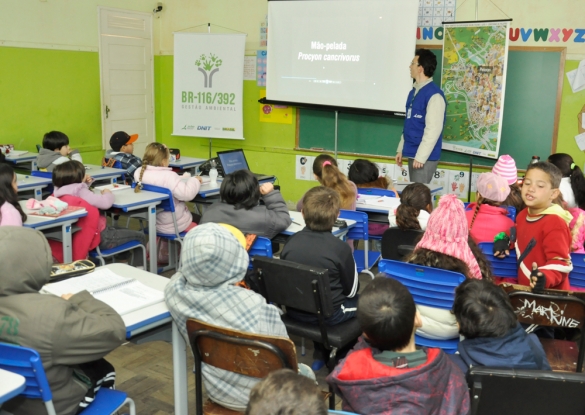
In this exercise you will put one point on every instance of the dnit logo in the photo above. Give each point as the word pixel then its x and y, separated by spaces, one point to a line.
pixel 204 127
pixel 206 65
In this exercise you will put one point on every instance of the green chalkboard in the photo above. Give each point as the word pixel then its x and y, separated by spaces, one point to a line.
pixel 533 86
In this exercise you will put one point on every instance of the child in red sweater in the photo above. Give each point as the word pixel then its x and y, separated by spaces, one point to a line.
pixel 547 224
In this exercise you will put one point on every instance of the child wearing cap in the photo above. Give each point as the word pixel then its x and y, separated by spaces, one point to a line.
pixel 122 151
pixel 506 167
pixel 485 217
pixel 445 245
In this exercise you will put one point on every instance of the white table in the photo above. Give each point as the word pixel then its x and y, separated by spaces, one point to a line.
pixel 129 201
pixel 376 204
pixel 104 173
pixel 25 158
pixel 47 222
pixel 155 316
pixel 36 184
pixel 11 385
pixel 401 185
pixel 209 189
pixel 299 223
pixel 188 163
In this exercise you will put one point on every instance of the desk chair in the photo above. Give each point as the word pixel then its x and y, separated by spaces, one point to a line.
pixel 27 362
pixel 168 205
pixel 431 287
pixel 363 261
pixel 397 244
pixel 101 254
pixel 262 247
pixel 375 192
pixel 501 267
pixel 38 148
pixel 534 392
pixel 249 354
pixel 577 276
pixel 511 210
pixel 307 289
pixel 553 310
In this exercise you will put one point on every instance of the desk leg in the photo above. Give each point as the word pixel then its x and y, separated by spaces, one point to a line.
pixel 152 238
pixel 38 193
pixel 33 165
pixel 180 372
pixel 67 250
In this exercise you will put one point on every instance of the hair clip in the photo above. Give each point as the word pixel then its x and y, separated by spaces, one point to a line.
pixel 326 163
pixel 572 166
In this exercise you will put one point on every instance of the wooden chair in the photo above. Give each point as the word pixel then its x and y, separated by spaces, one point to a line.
pixel 553 309
pixel 248 354
pixel 534 392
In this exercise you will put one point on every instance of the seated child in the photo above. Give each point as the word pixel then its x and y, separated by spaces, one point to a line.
pixel 71 333
pixel 385 373
pixel 72 186
pixel 240 195
pixel 214 260
pixel 155 171
pixel 572 185
pixel 56 151
pixel 416 205
pixel 11 214
pixel 493 335
pixel 285 392
pixel 327 173
pixel 365 174
pixel 123 151
pixel 547 224
pixel 316 246
pixel 506 167
pixel 444 245
pixel 485 217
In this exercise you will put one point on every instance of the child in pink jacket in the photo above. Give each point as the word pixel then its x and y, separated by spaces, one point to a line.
pixel 11 214
pixel 155 171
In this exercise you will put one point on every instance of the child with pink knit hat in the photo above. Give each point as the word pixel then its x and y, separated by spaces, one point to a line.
pixel 445 245
pixel 485 217
pixel 506 167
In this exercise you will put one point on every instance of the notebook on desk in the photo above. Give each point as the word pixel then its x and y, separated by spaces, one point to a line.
pixel 123 294
pixel 234 160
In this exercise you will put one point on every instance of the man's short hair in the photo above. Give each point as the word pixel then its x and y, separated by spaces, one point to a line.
pixel 554 173
pixel 386 312
pixel 284 392
pixel 241 189
pixel 54 140
pixel 483 309
pixel 321 208
pixel 427 60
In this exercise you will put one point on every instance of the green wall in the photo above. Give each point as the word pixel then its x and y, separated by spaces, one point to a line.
pixel 42 90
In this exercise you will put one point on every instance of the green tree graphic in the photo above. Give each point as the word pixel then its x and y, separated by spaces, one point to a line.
pixel 206 65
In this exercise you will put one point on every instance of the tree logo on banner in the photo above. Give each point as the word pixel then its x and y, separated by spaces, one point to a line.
pixel 208 65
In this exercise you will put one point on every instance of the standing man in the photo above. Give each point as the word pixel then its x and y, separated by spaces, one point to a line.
pixel 422 135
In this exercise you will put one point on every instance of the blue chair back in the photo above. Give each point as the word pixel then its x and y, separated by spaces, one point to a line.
pixel 376 192
pixel 501 267
pixel 360 230
pixel 431 287
pixel 168 205
pixel 261 247
pixel 26 362
pixel 511 210
pixel 43 174
pixel 577 276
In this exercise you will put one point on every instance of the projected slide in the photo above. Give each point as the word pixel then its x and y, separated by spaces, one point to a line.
pixel 353 53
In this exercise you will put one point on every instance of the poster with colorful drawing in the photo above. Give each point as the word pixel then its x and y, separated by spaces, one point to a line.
pixel 441 179
pixel 458 183
pixel 401 174
pixel 304 167
pixel 280 114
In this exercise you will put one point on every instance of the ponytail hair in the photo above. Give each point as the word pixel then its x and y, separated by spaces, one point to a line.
pixel 156 154
pixel 568 168
pixel 328 174
pixel 7 193
pixel 415 197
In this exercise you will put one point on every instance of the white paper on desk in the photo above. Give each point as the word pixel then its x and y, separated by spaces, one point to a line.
pixel 382 201
pixel 16 153
pixel 580 139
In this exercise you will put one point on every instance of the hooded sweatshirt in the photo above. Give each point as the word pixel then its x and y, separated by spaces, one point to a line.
pixel 213 261
pixel 369 387
pixel 64 332
pixel 516 350
pixel 48 159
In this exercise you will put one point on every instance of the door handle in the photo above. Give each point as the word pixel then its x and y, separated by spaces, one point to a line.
pixel 107 111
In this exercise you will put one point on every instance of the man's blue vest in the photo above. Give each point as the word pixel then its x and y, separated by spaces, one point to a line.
pixel 414 126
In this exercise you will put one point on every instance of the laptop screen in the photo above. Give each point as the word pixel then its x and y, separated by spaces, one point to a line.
pixel 232 161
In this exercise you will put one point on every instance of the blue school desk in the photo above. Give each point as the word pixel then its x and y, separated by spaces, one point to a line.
pixel 48 223
pixel 32 183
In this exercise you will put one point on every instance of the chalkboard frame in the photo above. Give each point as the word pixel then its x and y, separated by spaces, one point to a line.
pixel 461 159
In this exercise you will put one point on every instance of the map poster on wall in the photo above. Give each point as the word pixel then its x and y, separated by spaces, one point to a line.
pixel 475 59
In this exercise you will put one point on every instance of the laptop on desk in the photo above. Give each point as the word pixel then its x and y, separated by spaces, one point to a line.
pixel 234 160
